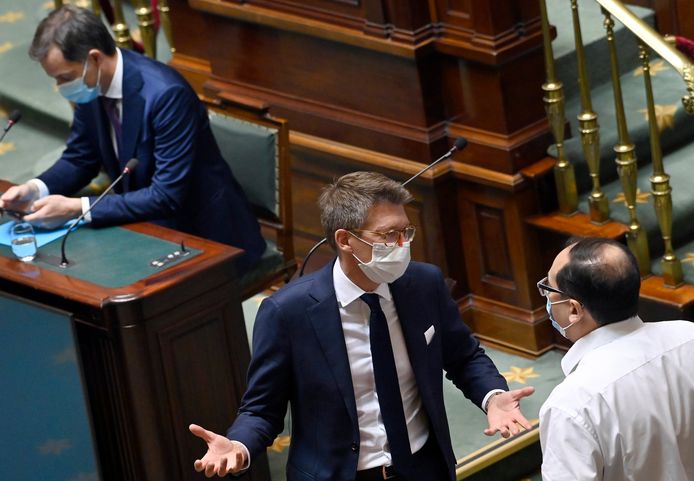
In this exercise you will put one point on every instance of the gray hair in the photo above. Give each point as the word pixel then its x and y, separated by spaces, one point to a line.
pixel 74 31
pixel 345 203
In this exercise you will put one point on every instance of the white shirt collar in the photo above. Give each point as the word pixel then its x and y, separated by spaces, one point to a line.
pixel 598 338
pixel 115 90
pixel 347 291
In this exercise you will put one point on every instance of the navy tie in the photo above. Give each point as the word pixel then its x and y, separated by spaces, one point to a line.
pixel 111 108
pixel 387 387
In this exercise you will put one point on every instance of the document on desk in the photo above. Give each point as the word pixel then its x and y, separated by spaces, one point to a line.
pixel 43 236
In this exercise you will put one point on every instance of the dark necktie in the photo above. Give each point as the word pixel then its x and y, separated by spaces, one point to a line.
pixel 387 387
pixel 111 108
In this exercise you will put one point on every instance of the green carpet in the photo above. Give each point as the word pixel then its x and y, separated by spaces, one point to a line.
pixel 466 420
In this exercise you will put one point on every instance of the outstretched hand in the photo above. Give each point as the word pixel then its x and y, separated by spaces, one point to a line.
pixel 223 455
pixel 504 415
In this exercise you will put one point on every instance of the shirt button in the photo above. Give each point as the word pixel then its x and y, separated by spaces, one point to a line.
pixel 355 447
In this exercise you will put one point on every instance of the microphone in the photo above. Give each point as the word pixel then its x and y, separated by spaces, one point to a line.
pixel 460 144
pixel 15 117
pixel 132 163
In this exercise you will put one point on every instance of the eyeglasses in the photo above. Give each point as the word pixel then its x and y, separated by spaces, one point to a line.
pixel 545 288
pixel 393 237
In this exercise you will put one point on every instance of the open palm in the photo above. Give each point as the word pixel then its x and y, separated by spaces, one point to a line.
pixel 223 455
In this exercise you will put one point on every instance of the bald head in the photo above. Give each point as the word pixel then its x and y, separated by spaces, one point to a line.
pixel 603 275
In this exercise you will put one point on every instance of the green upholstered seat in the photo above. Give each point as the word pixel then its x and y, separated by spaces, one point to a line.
pixel 254 150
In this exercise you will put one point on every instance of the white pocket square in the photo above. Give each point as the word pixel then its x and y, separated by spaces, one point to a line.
pixel 429 334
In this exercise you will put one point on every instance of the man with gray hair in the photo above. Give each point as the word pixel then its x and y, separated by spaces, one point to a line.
pixel 126 106
pixel 358 350
pixel 626 408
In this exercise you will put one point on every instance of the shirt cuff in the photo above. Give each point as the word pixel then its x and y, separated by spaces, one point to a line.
pixel 85 209
pixel 488 398
pixel 248 456
pixel 41 186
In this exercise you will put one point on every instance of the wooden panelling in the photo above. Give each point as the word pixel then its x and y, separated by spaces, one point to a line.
pixel 392 95
pixel 672 16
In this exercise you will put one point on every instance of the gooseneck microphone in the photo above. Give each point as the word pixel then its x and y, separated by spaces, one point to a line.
pixel 15 117
pixel 459 145
pixel 132 163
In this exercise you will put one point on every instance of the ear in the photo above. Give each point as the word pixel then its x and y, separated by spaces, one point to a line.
pixel 576 311
pixel 342 237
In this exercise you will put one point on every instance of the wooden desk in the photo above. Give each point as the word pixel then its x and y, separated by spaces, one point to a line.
pixel 155 355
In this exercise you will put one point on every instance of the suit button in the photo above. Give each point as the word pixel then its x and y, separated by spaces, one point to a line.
pixel 355 447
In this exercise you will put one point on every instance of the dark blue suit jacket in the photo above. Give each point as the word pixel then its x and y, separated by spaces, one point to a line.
pixel 300 357
pixel 181 180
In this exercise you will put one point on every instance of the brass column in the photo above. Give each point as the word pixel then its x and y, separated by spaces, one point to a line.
pixel 554 106
pixel 145 20
pixel 660 183
pixel 165 21
pixel 120 28
pixel 626 158
pixel 589 128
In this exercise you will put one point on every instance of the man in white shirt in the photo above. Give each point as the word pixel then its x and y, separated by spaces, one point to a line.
pixel 358 349
pixel 626 408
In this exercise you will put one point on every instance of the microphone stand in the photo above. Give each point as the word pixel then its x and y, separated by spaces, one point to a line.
pixel 128 168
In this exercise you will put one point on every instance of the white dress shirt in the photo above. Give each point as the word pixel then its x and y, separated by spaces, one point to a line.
pixel 115 91
pixel 626 408
pixel 354 313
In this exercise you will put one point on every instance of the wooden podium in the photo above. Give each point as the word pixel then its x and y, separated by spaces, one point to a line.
pixel 156 354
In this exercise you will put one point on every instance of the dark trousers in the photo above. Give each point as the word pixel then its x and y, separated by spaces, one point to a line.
pixel 427 465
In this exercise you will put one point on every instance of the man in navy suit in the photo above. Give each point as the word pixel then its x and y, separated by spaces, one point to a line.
pixel 358 350
pixel 128 106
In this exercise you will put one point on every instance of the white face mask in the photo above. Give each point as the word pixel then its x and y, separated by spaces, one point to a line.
pixel 387 264
pixel 555 324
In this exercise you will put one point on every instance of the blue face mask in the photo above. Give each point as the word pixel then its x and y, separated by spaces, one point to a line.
pixel 555 324
pixel 78 91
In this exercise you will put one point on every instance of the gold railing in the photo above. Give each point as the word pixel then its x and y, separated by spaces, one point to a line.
pixel 145 21
pixel 626 163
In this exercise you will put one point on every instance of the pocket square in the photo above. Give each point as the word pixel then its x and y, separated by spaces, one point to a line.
pixel 429 334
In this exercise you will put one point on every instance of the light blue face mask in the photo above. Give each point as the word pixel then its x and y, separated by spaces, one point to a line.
pixel 555 324
pixel 78 91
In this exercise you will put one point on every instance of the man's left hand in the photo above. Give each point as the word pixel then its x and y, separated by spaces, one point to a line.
pixel 504 415
pixel 53 211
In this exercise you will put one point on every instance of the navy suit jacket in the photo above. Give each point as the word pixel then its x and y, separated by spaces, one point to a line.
pixel 181 180
pixel 300 357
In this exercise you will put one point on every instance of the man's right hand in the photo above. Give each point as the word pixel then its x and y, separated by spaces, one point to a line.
pixel 223 455
pixel 20 197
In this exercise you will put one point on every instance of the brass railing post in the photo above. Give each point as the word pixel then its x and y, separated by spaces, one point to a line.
pixel 626 158
pixel 564 176
pixel 145 20
pixel 660 182
pixel 589 128
pixel 688 100
pixel 120 28
pixel 163 7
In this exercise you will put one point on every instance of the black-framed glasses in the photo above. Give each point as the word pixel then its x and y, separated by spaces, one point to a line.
pixel 394 236
pixel 544 288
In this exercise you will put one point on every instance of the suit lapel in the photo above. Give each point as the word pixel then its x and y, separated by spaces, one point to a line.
pixel 325 317
pixel 133 108
pixel 414 322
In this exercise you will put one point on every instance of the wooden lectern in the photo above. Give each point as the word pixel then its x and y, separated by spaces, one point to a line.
pixel 156 353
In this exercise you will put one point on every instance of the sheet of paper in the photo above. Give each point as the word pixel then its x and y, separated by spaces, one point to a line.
pixel 43 236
